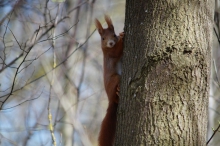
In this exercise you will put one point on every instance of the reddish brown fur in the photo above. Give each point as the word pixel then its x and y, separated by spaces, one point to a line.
pixel 112 56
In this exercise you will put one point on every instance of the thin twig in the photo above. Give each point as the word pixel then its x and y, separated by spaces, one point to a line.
pixel 15 76
pixel 215 131
pixel 22 102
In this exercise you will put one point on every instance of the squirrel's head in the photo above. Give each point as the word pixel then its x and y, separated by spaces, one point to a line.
pixel 108 37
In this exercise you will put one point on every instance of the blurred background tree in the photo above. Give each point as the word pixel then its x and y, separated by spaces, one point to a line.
pixel 51 85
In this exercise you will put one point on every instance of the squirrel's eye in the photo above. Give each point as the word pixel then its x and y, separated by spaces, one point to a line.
pixel 103 38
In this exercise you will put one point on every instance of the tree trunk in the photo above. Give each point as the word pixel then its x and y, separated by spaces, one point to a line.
pixel 166 68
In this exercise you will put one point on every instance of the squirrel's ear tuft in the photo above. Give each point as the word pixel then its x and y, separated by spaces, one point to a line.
pixel 109 22
pixel 98 26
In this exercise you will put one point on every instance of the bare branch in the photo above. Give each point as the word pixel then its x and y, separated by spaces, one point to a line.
pixel 51 69
pixel 215 131
pixel 22 102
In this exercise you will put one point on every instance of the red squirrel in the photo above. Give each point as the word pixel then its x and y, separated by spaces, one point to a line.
pixel 112 48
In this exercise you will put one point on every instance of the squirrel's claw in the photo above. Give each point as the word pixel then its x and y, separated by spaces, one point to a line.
pixel 118 89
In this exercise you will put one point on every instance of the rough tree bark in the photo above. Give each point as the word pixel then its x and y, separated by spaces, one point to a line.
pixel 166 68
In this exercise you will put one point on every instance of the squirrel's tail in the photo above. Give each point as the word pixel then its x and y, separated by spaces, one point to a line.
pixel 108 127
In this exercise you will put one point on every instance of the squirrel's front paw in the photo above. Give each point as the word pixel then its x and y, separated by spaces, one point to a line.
pixel 121 34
